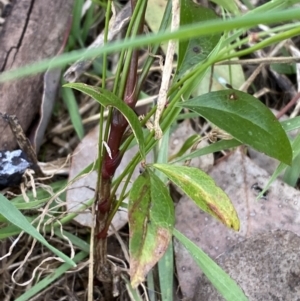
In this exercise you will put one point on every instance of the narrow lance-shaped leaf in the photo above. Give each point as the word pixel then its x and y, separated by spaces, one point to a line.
pixel 71 104
pixel 211 148
pixel 246 119
pixel 151 221
pixel 226 286
pixel 202 189
pixel 281 166
pixel 260 15
pixel 14 216
pixel 107 98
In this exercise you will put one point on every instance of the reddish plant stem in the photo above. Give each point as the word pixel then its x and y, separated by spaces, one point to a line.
pixel 111 161
pixel 117 128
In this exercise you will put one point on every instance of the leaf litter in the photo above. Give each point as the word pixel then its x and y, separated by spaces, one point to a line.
pixel 242 180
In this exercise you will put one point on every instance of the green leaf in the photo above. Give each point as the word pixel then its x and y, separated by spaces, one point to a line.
pixel 246 119
pixel 288 69
pixel 107 98
pixel 194 51
pixel 76 20
pixel 189 142
pixel 292 173
pixel 202 189
pixel 89 20
pixel 151 221
pixel 282 166
pixel 291 124
pixel 212 148
pixel 14 216
pixel 257 16
pixel 151 286
pixel 226 286
pixel 133 293
pixel 74 239
pixel 166 274
pixel 166 263
pixel 71 104
pixel 9 231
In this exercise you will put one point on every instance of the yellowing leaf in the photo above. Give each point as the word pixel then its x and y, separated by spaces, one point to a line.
pixel 202 189
pixel 151 221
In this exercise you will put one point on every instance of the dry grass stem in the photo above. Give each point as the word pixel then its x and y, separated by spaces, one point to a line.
pixel 168 67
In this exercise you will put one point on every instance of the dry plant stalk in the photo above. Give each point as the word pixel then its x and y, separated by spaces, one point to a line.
pixel 167 71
